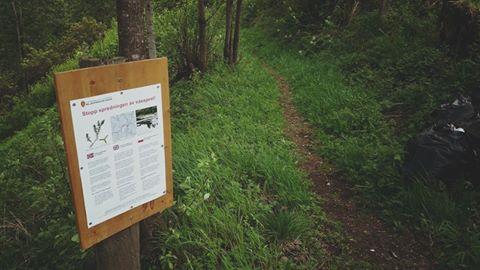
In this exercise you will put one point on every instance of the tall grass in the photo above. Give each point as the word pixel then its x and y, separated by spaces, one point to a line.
pixel 234 171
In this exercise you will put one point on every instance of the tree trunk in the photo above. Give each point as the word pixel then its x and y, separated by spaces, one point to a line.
pixel 354 11
pixel 202 37
pixel 383 7
pixel 19 31
pixel 152 48
pixel 236 36
pixel 459 27
pixel 131 36
pixel 227 50
pixel 120 252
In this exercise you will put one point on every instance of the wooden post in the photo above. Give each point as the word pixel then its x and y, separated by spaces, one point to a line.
pixel 120 251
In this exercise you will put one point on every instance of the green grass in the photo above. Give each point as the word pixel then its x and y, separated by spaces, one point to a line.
pixel 234 171
pixel 348 120
pixel 360 142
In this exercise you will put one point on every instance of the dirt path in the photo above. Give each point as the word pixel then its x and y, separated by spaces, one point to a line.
pixel 369 239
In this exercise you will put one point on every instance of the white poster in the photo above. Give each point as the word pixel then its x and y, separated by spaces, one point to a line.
pixel 121 153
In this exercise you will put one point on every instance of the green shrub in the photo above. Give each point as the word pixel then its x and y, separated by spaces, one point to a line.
pixel 176 29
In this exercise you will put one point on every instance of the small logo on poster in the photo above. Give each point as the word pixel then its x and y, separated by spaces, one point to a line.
pixel 90 155
pixel 116 147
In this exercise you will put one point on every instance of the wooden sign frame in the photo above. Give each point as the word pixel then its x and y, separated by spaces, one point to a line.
pixel 99 80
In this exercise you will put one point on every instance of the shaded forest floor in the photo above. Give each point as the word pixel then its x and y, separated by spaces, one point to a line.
pixel 368 238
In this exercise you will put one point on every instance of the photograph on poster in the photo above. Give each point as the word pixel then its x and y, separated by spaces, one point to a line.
pixel 147 119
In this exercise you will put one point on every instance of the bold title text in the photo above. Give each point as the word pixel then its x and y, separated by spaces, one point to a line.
pixel 117 106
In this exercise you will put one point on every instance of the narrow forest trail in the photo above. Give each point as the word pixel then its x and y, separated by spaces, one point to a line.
pixel 368 238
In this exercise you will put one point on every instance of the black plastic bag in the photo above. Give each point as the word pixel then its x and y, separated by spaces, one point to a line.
pixel 457 112
pixel 476 99
pixel 441 152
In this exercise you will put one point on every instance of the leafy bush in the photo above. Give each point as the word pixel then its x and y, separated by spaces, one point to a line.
pixel 176 28
pixel 38 62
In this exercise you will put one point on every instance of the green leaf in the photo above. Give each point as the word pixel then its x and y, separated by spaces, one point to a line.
pixel 75 238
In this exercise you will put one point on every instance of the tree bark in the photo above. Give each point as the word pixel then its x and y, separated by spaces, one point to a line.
pixel 120 251
pixel 227 50
pixel 383 7
pixel 202 37
pixel 236 36
pixel 131 36
pixel 19 31
pixel 152 48
pixel 459 27
pixel 354 11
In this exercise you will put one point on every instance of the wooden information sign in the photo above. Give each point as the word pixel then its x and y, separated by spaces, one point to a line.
pixel 116 128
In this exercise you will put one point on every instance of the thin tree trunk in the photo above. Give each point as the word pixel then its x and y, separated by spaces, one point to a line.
pixel 228 32
pixel 152 48
pixel 131 34
pixel 202 36
pixel 383 7
pixel 17 28
pixel 355 8
pixel 19 31
pixel 458 28
pixel 236 36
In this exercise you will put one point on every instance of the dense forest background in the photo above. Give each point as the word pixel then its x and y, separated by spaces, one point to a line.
pixel 387 65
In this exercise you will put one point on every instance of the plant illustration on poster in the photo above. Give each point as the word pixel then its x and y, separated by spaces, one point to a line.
pixel 97 128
